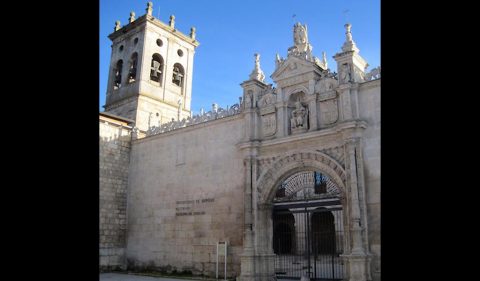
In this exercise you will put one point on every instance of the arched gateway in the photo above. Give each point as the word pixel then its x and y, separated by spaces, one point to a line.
pixel 312 202
pixel 301 219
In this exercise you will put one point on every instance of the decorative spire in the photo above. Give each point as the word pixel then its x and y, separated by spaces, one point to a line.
pixel 172 21
pixel 193 31
pixel 324 60
pixel 117 25
pixel 349 44
pixel 257 73
pixel 132 16
pixel 149 8
pixel 278 61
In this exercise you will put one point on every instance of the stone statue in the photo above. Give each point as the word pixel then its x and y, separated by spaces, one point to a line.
pixel 345 76
pixel 132 16
pixel 248 101
pixel 172 21
pixel 300 34
pixel 299 114
pixel 300 38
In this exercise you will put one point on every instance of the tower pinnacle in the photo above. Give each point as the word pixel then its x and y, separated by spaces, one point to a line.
pixel 257 73
pixel 349 44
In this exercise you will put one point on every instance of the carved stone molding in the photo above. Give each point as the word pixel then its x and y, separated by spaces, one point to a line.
pixel 273 169
pixel 327 95
pixel 269 121
pixel 336 153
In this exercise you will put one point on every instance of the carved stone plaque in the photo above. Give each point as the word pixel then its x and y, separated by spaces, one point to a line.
pixel 269 120
pixel 328 111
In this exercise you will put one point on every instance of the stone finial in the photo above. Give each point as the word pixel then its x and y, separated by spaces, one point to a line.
pixel 348 27
pixel 172 21
pixel 149 8
pixel 349 44
pixel 324 59
pixel 257 73
pixel 278 60
pixel 117 25
pixel 132 16
pixel 193 31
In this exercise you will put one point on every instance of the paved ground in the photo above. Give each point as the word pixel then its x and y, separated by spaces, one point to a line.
pixel 131 277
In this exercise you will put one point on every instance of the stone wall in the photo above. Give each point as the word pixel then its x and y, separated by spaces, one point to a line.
pixel 185 194
pixel 114 158
pixel 369 103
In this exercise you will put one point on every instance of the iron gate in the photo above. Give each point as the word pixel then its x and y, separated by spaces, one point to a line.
pixel 308 239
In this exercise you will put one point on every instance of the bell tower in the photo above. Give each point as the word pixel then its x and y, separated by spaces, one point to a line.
pixel 151 69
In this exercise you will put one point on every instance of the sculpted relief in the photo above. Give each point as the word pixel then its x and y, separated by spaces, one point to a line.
pixel 299 118
pixel 268 112
pixel 328 111
pixel 325 85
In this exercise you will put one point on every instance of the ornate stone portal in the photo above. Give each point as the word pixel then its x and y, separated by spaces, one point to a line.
pixel 309 97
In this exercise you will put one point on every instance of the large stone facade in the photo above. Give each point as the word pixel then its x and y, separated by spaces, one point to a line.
pixel 213 177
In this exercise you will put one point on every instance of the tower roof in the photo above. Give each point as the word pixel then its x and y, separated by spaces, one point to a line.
pixel 148 18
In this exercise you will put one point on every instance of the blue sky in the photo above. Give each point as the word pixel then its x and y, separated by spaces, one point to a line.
pixel 230 32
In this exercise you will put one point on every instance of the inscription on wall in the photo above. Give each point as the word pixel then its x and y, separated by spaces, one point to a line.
pixel 192 207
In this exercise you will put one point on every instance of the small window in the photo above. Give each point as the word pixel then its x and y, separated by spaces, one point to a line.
pixel 180 53
pixel 118 75
pixel 121 48
pixel 159 43
pixel 132 72
pixel 178 75
pixel 135 41
pixel 156 69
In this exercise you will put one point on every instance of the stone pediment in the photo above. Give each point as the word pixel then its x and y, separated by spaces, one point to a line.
pixel 293 66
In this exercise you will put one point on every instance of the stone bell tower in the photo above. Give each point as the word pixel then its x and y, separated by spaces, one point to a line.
pixel 151 69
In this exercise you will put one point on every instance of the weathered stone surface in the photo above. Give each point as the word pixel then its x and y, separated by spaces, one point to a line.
pixel 114 160
pixel 194 183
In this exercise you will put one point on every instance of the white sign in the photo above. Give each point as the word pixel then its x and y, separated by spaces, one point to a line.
pixel 222 251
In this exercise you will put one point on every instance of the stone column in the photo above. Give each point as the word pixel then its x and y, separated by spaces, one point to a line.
pixel 354 101
pixel 345 102
pixel 282 119
pixel 265 258
pixel 357 258
pixel 312 112
pixel 247 257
